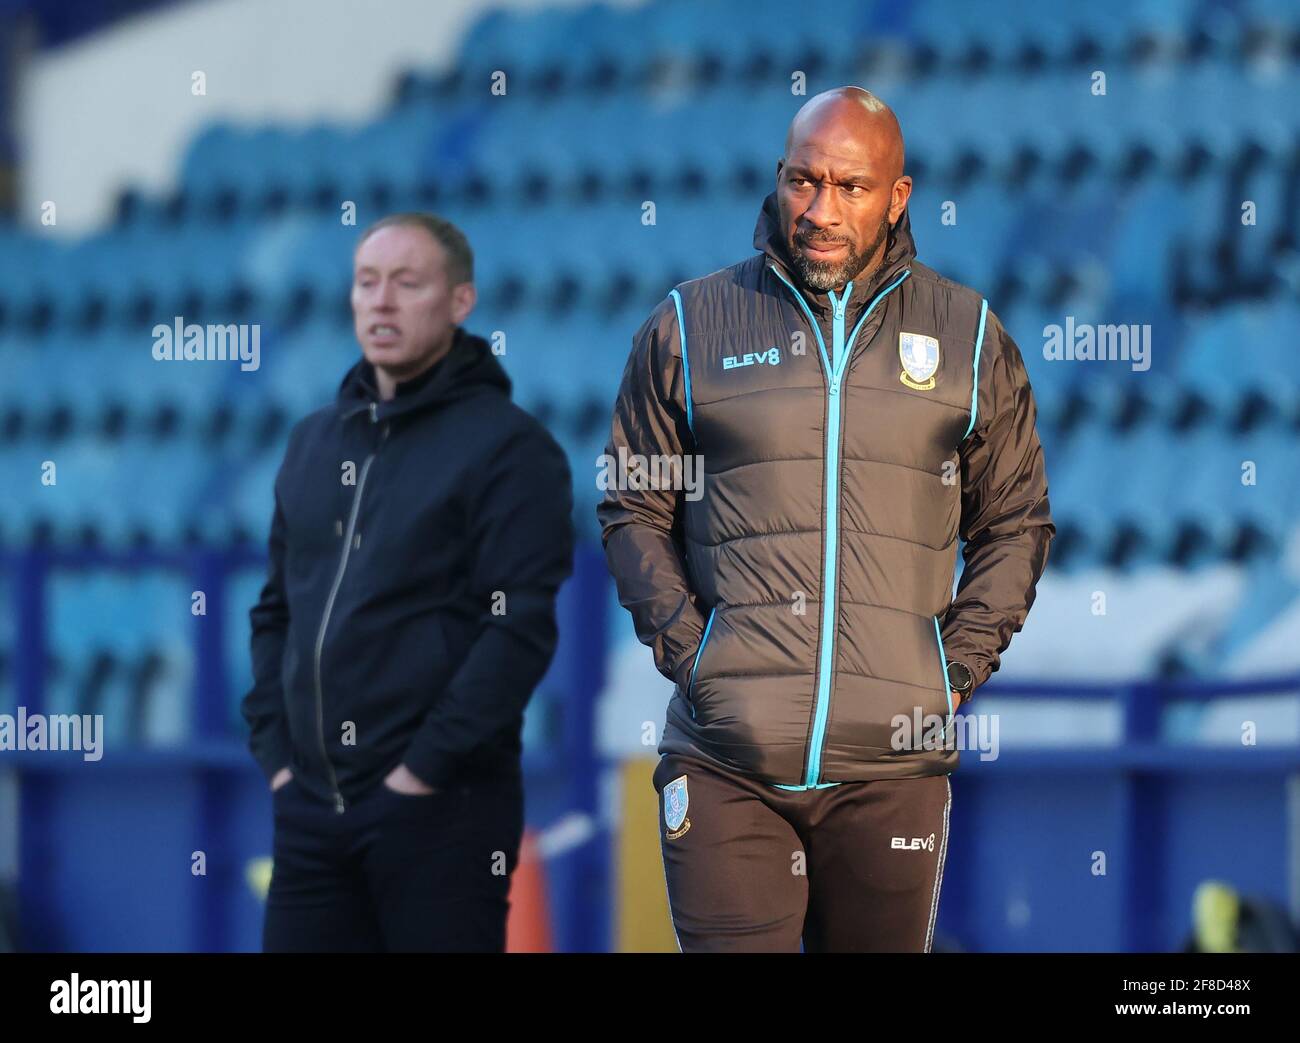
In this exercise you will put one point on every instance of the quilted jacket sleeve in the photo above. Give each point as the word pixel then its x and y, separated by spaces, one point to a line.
pixel 642 528
pixel 1005 516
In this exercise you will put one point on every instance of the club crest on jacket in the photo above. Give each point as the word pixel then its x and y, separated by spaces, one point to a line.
pixel 920 357
pixel 676 801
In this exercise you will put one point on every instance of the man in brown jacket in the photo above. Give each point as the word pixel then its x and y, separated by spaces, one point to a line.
pixel 856 413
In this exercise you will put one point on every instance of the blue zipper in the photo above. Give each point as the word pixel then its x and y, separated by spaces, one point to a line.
pixel 686 362
pixel 830 569
pixel 690 685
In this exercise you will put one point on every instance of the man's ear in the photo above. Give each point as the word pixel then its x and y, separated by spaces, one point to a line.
pixel 902 192
pixel 463 299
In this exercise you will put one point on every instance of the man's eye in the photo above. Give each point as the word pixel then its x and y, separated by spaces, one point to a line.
pixel 853 189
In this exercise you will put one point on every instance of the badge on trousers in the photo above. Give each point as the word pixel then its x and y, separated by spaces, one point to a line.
pixel 676 801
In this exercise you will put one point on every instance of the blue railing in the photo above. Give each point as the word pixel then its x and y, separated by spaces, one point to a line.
pixel 1135 801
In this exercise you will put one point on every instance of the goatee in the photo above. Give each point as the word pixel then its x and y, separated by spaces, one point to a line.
pixel 827 275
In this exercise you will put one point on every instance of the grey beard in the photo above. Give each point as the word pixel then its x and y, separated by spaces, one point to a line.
pixel 827 275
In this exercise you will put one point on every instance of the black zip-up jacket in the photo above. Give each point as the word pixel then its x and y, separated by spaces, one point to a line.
pixel 409 612
pixel 803 603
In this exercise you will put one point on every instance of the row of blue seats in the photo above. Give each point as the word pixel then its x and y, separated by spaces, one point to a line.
pixel 135 664
pixel 556 184
pixel 1128 541
pixel 502 140
pixel 975 235
pixel 1148 470
pixel 1181 275
pixel 1220 356
pixel 531 43
pixel 243 426
pixel 246 426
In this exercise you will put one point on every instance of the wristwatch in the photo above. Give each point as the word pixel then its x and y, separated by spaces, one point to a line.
pixel 960 678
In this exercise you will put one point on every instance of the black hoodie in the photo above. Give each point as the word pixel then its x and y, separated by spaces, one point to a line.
pixel 409 612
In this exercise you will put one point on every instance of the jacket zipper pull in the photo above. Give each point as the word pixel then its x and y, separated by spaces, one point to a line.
pixel 374 412
pixel 338 803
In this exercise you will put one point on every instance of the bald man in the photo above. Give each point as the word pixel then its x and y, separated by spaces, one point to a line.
pixel 856 413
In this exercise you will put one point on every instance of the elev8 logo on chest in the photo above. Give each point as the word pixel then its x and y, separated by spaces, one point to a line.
pixel 770 357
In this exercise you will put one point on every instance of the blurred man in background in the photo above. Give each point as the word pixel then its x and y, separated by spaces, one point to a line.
pixel 804 605
pixel 421 530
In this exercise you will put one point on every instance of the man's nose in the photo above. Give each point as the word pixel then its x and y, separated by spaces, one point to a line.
pixel 823 211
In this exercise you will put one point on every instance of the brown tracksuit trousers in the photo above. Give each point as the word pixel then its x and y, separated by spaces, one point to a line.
pixel 749 867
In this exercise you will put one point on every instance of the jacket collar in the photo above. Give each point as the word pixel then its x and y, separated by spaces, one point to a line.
pixel 900 251
pixel 469 365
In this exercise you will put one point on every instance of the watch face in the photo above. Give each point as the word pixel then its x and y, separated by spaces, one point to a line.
pixel 959 676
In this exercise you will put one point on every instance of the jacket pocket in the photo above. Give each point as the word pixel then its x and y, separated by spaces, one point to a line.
pixel 695 665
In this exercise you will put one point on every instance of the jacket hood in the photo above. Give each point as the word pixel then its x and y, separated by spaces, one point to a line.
pixel 469 367
pixel 900 251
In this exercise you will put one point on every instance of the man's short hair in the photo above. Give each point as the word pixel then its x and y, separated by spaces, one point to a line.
pixel 460 258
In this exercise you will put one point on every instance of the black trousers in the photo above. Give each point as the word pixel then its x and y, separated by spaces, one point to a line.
pixel 751 868
pixel 394 873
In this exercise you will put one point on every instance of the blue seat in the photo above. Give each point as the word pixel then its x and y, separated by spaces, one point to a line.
pixel 1243 348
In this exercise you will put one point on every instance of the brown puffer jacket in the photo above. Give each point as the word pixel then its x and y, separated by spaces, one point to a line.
pixel 803 604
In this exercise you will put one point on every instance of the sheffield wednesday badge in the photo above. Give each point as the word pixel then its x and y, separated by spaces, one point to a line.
pixel 676 801
pixel 920 357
